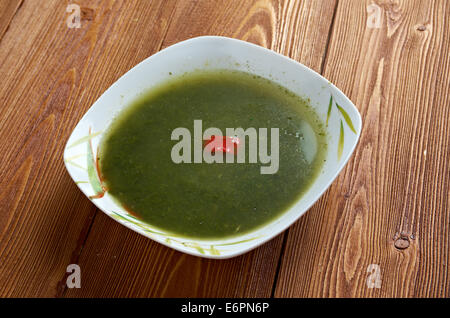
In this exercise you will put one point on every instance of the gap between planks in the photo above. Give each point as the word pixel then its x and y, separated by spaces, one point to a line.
pixel 4 16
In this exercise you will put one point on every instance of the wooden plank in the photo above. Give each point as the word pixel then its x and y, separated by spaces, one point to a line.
pixel 8 9
pixel 394 193
pixel 116 261
pixel 51 74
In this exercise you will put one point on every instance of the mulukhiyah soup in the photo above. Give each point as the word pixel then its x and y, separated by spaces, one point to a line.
pixel 210 200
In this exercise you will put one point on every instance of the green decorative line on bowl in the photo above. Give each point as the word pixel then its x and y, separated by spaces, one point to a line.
pixel 347 120
pixel 92 164
pixel 346 117
pixel 93 173
pixel 329 108
pixel 85 138
pixel 341 141
pixel 173 238
pixel 73 163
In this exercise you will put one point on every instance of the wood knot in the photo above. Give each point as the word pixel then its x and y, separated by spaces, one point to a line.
pixel 401 243
pixel 421 28
pixel 87 14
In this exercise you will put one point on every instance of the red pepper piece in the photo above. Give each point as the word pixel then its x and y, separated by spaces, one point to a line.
pixel 222 144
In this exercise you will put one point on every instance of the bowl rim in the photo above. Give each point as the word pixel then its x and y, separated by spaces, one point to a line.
pixel 270 233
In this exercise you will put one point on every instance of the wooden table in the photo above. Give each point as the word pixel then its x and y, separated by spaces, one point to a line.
pixel 388 207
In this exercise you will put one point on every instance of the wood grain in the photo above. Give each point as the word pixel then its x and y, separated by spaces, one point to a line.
pixel 50 76
pixel 127 264
pixel 7 11
pixel 390 206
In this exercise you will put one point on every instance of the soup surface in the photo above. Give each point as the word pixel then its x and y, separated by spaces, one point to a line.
pixel 210 200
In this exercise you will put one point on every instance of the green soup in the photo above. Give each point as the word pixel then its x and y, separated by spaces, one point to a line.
pixel 210 200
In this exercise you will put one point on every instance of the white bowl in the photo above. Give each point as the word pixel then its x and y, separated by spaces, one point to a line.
pixel 342 119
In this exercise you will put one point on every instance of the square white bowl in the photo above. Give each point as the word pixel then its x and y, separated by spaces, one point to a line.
pixel 340 116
